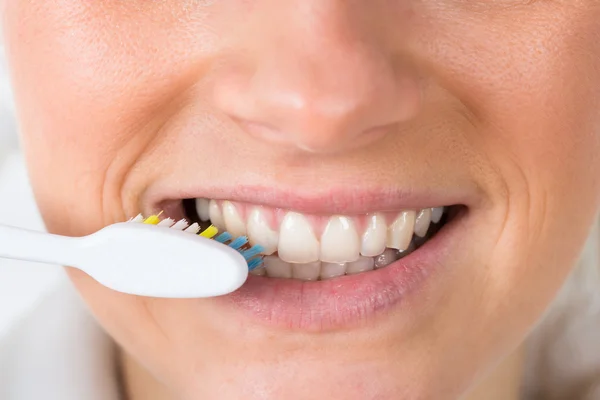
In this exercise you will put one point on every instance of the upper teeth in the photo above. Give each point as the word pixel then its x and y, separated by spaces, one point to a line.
pixel 299 238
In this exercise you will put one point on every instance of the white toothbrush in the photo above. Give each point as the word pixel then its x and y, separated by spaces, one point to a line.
pixel 140 259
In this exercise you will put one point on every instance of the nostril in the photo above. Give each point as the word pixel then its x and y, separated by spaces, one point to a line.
pixel 319 105
pixel 262 131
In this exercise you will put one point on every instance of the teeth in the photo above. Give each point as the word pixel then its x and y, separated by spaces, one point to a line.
pixel 260 233
pixel 306 272
pixel 436 214
pixel 373 239
pixel 422 222
pixel 341 248
pixel 202 208
pixel 234 223
pixel 411 247
pixel 216 217
pixel 363 264
pixel 297 242
pixel 332 270
pixel 401 230
pixel 276 268
pixel 340 242
pixel 385 258
pixel 259 271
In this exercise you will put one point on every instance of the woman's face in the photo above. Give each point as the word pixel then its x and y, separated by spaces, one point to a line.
pixel 368 110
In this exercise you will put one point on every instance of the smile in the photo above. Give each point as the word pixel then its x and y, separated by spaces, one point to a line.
pixel 328 264
pixel 317 247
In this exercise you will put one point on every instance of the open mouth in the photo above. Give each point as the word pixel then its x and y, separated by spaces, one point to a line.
pixel 320 247
pixel 327 264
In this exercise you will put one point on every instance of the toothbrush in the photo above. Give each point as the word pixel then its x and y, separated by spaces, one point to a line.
pixel 144 256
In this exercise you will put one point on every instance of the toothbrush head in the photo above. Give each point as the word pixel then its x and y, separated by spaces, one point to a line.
pixel 252 254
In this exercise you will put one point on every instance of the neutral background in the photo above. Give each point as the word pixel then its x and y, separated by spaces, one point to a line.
pixel 21 284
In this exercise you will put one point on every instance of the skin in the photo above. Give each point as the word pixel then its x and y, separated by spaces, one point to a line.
pixel 498 99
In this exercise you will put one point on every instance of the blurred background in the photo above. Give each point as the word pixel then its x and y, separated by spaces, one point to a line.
pixel 22 284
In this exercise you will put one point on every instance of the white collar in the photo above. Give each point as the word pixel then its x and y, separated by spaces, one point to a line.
pixel 58 353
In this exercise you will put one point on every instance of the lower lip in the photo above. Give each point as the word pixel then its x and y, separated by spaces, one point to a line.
pixel 343 302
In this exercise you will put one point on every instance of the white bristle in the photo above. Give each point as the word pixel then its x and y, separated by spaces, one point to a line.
pixel 180 225
pixel 138 218
pixel 193 228
pixel 166 222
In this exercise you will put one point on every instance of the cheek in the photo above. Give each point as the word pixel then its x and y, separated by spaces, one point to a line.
pixel 67 133
pixel 89 102
pixel 536 127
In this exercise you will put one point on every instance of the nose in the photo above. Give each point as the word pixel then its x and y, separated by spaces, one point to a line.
pixel 318 79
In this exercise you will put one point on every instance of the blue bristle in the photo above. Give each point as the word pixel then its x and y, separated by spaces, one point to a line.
pixel 238 242
pixel 253 251
pixel 223 237
pixel 254 263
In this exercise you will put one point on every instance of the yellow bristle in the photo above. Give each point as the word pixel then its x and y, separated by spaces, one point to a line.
pixel 152 220
pixel 210 232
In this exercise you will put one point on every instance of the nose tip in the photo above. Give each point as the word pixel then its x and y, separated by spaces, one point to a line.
pixel 321 112
pixel 320 93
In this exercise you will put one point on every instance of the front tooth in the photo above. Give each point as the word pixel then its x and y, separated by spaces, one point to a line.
pixel 216 217
pixel 363 264
pixel 332 270
pixel 386 258
pixel 276 268
pixel 297 242
pixel 401 230
pixel 340 242
pixel 373 240
pixel 233 221
pixel 422 222
pixel 307 272
pixel 436 214
pixel 259 232
pixel 259 271
pixel 202 209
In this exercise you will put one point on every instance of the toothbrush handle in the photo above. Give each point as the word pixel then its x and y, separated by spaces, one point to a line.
pixel 22 244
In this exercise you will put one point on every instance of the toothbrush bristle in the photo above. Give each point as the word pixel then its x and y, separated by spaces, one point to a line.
pixel 168 222
pixel 238 242
pixel 152 220
pixel 251 254
pixel 210 232
pixel 180 225
pixel 224 237
pixel 193 228
pixel 138 218
pixel 255 263
pixel 253 251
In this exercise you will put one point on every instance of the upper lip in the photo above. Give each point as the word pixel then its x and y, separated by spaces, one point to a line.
pixel 318 200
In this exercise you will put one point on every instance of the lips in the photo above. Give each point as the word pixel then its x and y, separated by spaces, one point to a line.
pixel 348 301
pixel 339 269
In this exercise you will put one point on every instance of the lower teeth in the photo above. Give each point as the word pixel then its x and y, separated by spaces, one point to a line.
pixel 274 267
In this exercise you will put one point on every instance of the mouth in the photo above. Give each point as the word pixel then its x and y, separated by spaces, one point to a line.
pixel 328 271
pixel 320 247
